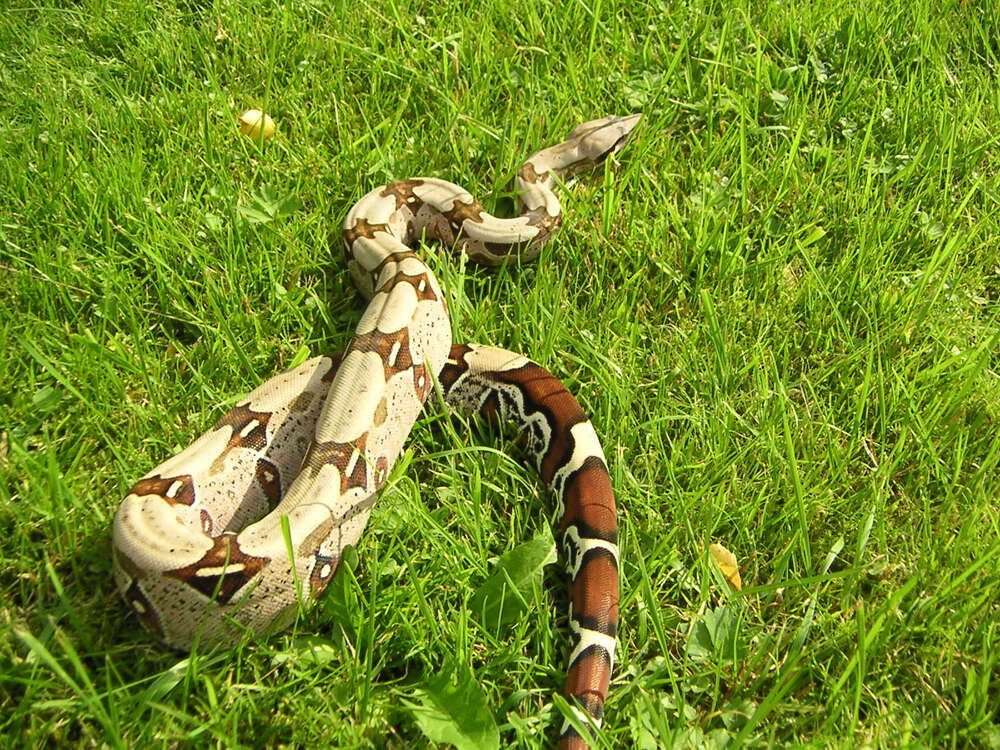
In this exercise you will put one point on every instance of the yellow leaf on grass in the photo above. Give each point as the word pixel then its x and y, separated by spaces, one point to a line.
pixel 726 561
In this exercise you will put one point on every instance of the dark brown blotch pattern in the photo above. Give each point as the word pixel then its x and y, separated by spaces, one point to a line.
pixel 530 175
pixel 324 566
pixel 455 367
pixel 402 191
pixel 460 212
pixel 421 284
pixel 238 568
pixel 269 480
pixel 421 381
pixel 339 455
pixel 362 228
pixel 160 486
pixel 395 258
pixel 238 419
pixel 144 609
pixel 382 344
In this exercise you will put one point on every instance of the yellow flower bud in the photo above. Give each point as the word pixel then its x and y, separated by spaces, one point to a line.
pixel 255 125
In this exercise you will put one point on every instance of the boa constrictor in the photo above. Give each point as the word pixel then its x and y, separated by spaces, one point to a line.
pixel 247 523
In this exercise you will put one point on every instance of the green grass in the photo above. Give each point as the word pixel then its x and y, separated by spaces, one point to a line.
pixel 780 309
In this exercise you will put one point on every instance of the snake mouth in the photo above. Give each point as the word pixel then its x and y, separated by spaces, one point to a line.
pixel 600 133
pixel 624 126
pixel 628 123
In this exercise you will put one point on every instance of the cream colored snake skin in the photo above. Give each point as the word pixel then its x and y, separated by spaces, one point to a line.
pixel 233 532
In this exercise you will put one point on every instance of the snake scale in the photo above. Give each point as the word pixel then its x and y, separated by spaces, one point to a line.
pixel 233 532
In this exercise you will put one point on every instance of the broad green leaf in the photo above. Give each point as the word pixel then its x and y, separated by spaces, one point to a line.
pixel 715 634
pixel 504 595
pixel 452 709
pixel 308 651
pixel 253 214
pixel 267 205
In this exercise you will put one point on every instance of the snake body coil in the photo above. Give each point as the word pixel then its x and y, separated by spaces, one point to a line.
pixel 250 519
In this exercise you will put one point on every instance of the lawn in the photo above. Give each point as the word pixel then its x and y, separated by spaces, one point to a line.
pixel 780 306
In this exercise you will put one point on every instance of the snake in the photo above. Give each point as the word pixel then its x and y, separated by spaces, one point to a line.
pixel 245 526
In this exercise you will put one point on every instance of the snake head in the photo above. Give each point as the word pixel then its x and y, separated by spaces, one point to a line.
pixel 600 138
pixel 586 146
